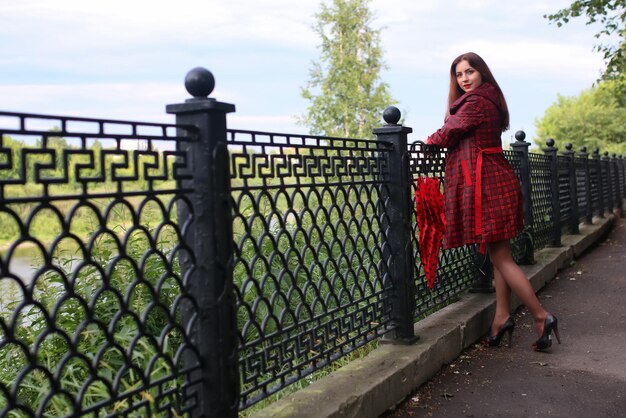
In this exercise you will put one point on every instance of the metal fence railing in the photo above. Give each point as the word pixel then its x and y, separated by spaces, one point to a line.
pixel 310 279
pixel 193 270
pixel 544 196
pixel 93 308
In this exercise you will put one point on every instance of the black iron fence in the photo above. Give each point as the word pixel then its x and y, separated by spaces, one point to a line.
pixel 191 270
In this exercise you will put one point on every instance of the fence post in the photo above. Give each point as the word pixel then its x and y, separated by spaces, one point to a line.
pixel 207 232
pixel 395 197
pixel 589 209
pixel 598 165
pixel 573 192
pixel 521 146
pixel 550 151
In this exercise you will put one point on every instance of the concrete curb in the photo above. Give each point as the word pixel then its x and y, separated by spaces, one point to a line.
pixel 369 386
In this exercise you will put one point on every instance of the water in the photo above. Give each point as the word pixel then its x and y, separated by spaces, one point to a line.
pixel 21 269
pixel 23 264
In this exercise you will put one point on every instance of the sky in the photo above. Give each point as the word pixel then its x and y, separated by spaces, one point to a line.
pixel 127 59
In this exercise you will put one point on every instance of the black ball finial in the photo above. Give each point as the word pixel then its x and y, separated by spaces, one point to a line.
pixel 520 136
pixel 392 115
pixel 583 149
pixel 550 142
pixel 568 146
pixel 596 151
pixel 199 82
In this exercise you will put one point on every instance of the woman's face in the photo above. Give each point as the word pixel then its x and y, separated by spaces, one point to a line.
pixel 468 78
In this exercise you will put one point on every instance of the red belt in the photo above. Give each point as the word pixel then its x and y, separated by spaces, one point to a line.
pixel 478 190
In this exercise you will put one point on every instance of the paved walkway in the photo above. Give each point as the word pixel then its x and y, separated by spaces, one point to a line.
pixel 585 376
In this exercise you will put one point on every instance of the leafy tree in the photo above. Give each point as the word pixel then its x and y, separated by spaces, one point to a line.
pixel 611 14
pixel 594 119
pixel 346 94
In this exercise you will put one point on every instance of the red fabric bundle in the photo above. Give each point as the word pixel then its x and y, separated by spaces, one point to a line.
pixel 431 224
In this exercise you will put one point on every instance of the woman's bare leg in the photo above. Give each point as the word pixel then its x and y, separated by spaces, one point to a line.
pixel 503 302
pixel 516 280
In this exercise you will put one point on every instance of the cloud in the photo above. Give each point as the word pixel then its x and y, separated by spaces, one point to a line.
pixel 145 102
pixel 521 59
pixel 270 123
pixel 127 59
pixel 136 102
pixel 532 58
pixel 123 23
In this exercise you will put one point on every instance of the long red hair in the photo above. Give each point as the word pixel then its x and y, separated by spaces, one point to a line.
pixel 476 62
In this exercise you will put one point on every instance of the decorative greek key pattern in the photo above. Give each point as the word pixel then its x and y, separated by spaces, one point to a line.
pixel 261 159
pixel 56 152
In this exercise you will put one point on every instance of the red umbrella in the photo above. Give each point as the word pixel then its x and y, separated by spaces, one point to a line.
pixel 431 224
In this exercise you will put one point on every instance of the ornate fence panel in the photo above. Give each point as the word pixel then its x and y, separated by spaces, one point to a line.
pixel 595 184
pixel 92 297
pixel 566 203
pixel 622 175
pixel 605 185
pixel 310 279
pixel 583 194
pixel 541 200
pixel 621 183
pixel 615 183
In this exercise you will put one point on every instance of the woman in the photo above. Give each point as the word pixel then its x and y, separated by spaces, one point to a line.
pixel 482 193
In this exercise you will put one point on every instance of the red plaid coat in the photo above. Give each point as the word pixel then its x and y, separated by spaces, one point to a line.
pixel 484 206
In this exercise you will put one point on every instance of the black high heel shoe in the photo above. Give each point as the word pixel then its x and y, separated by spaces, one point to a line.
pixel 494 341
pixel 545 341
